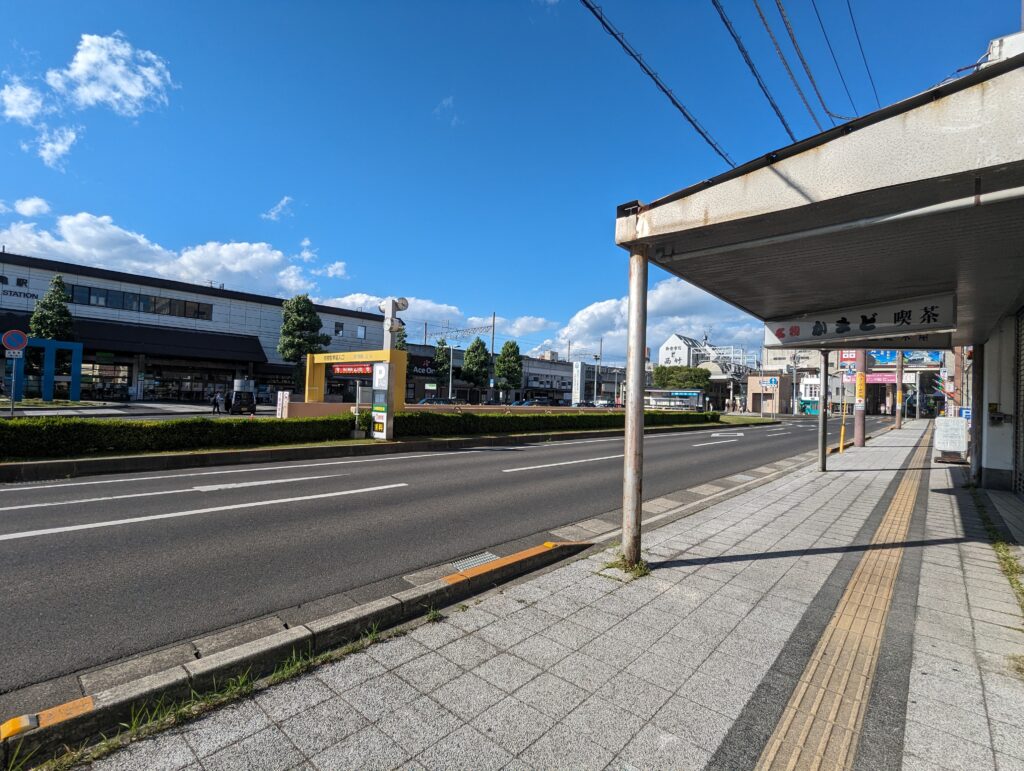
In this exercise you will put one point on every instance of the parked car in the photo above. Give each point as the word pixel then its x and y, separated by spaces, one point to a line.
pixel 583 404
pixel 238 402
pixel 441 400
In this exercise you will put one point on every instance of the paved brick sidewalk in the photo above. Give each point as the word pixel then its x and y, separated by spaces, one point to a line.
pixel 690 667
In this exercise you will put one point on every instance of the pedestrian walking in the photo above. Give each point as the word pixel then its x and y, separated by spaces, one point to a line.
pixel 220 401
pixel 215 403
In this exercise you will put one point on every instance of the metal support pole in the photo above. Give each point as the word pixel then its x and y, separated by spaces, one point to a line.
pixel 633 460
pixel 899 389
pixel 823 412
pixel 977 412
pixel 917 395
pixel 860 403
pixel 451 369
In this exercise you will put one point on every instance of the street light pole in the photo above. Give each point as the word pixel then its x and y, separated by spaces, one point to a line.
pixel 451 369
pixel 633 451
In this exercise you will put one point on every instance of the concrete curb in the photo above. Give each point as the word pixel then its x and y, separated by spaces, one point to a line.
pixel 42 470
pixel 52 731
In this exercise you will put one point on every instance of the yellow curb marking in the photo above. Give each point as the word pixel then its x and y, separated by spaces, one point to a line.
pixel 65 711
pixel 17 725
pixel 487 567
pixel 822 721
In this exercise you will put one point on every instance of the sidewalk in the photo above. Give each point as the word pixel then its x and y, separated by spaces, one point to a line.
pixel 856 619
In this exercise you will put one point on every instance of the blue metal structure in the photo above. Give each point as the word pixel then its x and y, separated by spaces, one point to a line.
pixel 50 348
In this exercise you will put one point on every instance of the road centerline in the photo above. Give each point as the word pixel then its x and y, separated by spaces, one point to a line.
pixel 720 441
pixel 193 512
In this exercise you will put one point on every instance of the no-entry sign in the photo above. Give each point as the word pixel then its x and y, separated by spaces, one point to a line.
pixel 15 340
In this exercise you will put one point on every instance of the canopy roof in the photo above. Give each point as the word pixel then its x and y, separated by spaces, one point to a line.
pixel 925 197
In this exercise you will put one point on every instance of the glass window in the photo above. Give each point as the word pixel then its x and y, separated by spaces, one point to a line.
pixel 177 307
pixel 339 328
pixel 115 299
pixel 361 332
pixel 98 297
pixel 205 311
pixel 81 295
pixel 146 303
pixel 191 310
pixel 162 305
pixel 131 301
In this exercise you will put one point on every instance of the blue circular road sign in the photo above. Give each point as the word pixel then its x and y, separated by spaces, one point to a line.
pixel 15 340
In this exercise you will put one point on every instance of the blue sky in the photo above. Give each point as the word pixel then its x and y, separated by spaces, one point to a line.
pixel 466 154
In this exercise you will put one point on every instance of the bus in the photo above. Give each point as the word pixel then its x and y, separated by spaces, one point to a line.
pixel 683 399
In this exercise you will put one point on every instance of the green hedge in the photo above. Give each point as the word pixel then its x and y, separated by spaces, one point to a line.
pixel 57 437
pixel 466 423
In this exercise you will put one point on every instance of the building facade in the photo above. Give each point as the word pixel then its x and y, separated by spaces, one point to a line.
pixel 153 338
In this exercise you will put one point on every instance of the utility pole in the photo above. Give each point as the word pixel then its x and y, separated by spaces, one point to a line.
pixel 823 392
pixel 633 451
pixel 859 406
pixel 424 333
pixel 493 378
pixel 899 389
pixel 568 353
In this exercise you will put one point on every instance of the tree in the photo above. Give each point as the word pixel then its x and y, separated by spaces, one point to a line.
pixel 681 377
pixel 300 330
pixel 508 368
pixel 442 360
pixel 51 320
pixel 476 364
pixel 401 339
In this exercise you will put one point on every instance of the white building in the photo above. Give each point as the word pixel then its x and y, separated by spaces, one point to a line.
pixel 678 351
pixel 154 338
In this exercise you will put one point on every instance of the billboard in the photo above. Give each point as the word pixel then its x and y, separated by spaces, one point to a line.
pixel 922 359
pixel 882 358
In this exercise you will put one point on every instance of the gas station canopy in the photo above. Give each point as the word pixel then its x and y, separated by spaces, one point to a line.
pixel 922 199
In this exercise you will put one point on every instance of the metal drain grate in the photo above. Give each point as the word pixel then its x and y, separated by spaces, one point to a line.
pixel 474 560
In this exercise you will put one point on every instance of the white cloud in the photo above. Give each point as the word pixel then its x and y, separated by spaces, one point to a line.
pixel 31 207
pixel 88 239
pixel 20 102
pixel 280 209
pixel 517 327
pixel 336 269
pixel 108 70
pixel 294 281
pixel 308 253
pixel 54 145
pixel 673 306
pixel 445 110
pixel 4 208
pixel 419 310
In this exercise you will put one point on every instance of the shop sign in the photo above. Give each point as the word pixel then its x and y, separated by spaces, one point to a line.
pixel 861 392
pixel 352 369
pixel 22 284
pixel 920 315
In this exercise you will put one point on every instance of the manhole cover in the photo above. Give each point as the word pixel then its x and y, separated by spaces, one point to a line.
pixel 474 560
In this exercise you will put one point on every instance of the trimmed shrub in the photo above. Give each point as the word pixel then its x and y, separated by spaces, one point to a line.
pixel 59 437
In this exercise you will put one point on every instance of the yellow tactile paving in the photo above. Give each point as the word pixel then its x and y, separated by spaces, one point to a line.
pixel 821 722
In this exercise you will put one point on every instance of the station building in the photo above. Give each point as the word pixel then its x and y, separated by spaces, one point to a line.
pixel 153 338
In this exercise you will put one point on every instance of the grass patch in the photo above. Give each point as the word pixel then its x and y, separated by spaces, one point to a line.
pixel 744 420
pixel 1004 553
pixel 1017 663
pixel 149 719
pixel 639 570
pixel 433 616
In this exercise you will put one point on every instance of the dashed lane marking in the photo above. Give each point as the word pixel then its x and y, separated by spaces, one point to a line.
pixel 563 463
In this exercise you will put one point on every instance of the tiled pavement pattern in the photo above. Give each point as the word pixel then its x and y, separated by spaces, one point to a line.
pixel 574 669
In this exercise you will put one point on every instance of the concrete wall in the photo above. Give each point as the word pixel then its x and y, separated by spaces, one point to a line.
pixel 998 390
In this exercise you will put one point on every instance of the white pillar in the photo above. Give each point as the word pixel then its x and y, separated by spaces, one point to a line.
pixel 633 461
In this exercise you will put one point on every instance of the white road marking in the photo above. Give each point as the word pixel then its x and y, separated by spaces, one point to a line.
pixel 244 470
pixel 720 441
pixel 192 512
pixel 728 433
pixel 197 488
pixel 563 463
pixel 777 433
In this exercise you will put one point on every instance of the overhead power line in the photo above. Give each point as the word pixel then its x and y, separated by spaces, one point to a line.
pixel 834 59
pixel 753 69
pixel 635 55
pixel 785 63
pixel 864 58
pixel 806 66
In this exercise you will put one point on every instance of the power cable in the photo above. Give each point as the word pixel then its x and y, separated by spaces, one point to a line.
pixel 834 59
pixel 635 55
pixel 803 62
pixel 785 63
pixel 864 58
pixel 750 65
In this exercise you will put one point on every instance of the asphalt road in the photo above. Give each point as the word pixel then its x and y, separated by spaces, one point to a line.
pixel 99 568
